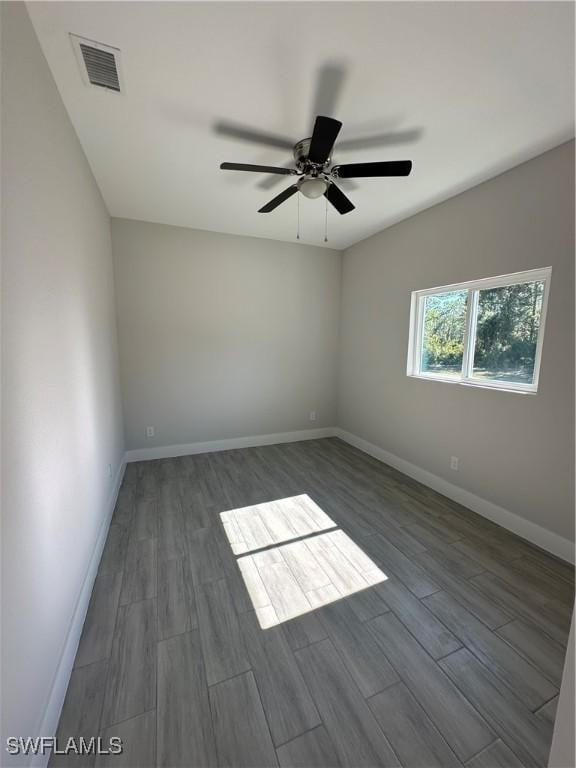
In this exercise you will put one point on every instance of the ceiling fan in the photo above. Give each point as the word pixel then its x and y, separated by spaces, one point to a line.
pixel 312 158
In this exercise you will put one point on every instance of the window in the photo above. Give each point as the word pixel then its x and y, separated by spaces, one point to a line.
pixel 487 332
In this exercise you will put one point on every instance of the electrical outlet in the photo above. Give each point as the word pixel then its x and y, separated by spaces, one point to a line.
pixel 454 463
pixel 150 432
pixel 312 415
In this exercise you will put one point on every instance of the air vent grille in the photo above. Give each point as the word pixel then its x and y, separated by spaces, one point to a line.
pixel 99 63
pixel 100 67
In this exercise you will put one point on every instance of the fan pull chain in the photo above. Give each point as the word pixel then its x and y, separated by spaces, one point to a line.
pixel 298 209
pixel 326 221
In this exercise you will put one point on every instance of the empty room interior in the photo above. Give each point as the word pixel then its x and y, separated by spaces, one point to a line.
pixel 287 384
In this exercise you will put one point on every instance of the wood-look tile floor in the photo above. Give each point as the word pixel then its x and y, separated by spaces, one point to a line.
pixel 306 605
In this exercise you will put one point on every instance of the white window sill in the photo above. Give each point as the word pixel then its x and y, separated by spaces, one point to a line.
pixel 476 384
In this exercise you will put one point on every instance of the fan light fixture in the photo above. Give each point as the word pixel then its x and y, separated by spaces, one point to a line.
pixel 312 187
pixel 312 158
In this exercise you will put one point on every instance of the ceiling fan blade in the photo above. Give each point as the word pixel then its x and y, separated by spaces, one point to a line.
pixel 258 168
pixel 271 180
pixel 338 199
pixel 275 202
pixel 381 140
pixel 326 129
pixel 328 88
pixel 236 131
pixel 367 170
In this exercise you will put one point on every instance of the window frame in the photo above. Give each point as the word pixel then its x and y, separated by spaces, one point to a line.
pixel 473 288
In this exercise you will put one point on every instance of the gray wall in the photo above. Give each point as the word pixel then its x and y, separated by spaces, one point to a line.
pixel 516 451
pixel 223 336
pixel 61 404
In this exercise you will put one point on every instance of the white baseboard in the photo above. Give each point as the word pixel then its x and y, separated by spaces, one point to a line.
pixel 170 451
pixel 541 537
pixel 59 687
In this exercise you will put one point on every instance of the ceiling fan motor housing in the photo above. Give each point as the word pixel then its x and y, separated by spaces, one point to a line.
pixel 304 165
pixel 315 180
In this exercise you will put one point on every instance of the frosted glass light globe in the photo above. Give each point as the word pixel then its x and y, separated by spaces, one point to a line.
pixel 312 187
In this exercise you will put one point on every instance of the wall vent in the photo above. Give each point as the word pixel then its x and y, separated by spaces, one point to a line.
pixel 99 64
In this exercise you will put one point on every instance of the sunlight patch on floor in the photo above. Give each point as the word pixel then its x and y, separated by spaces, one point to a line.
pixel 294 559
pixel 263 525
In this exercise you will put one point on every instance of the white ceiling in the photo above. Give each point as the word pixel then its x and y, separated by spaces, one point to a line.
pixel 487 84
